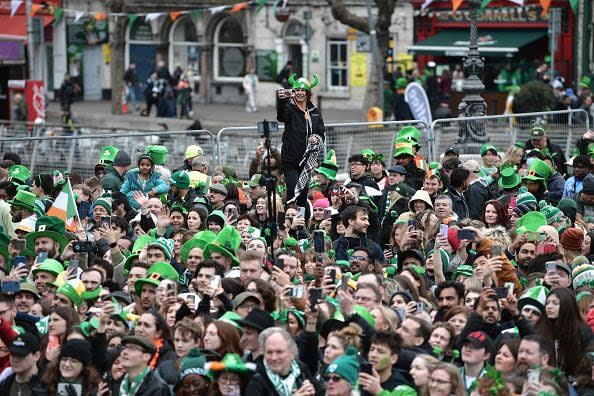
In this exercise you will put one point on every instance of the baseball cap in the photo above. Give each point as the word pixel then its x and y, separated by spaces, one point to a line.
pixel 25 344
pixel 479 339
pixel 256 180
pixel 241 297
pixel 397 169
pixel 472 165
pixel 538 131
pixel 452 150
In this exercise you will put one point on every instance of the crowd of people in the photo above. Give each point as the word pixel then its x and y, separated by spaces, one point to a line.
pixel 154 278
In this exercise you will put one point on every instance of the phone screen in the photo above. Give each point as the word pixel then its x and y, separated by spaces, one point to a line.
pixel 105 221
pixel 443 230
pixel 367 368
pixel 331 273
pixel 315 295
pixel 41 257
pixel 318 240
pixel 214 283
pixel 72 270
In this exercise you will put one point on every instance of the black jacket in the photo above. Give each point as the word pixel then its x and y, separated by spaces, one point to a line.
pixel 260 385
pixel 415 176
pixel 297 130
pixel 39 388
pixel 459 204
pixel 476 196
pixel 557 153
pixel 342 244
pixel 398 378
pixel 152 385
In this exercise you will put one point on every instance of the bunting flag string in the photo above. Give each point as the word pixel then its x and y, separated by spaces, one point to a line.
pixel 545 7
pixel 78 15
pixel 14 6
pixel 238 7
pixel 174 15
pixel 456 4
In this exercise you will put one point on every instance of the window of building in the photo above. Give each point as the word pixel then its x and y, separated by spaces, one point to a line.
pixel 337 64
pixel 229 56
pixel 184 50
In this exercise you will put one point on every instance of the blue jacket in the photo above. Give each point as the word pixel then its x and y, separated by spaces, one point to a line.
pixel 133 182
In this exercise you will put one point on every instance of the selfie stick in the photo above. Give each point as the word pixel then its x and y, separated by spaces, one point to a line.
pixel 270 183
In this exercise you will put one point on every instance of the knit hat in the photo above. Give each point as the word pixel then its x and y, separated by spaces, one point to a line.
pixel 588 185
pixel 77 349
pixel 583 275
pixel 538 131
pixel 322 203
pixel 509 178
pixel 525 197
pixel 104 202
pixel 122 158
pixel 552 213
pixel 535 297
pixel 193 364
pixel 180 179
pixel 346 366
pixel 572 239
pixel 488 147
pixel 463 270
pixel 217 217
pixel 166 245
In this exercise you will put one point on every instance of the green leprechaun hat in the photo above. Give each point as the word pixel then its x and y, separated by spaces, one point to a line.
pixel 155 274
pixel 585 82
pixel 139 244
pixel 19 174
pixel 227 242
pixel 411 134
pixel 538 171
pixel 403 147
pixel 107 155
pixel 51 227
pixel 488 147
pixel 231 363
pixel 302 82
pixel 200 240
pixel 509 178
pixel 535 297
pixel 24 199
pixel 531 221
pixel 328 167
pixel 158 154
pixel 52 266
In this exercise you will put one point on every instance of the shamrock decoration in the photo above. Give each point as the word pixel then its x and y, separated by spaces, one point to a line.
pixel 267 231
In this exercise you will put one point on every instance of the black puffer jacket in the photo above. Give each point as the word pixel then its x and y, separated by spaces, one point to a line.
pixel 297 129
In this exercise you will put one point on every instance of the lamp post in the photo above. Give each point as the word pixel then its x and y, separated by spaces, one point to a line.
pixel 473 105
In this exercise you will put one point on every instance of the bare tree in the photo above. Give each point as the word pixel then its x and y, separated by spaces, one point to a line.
pixel 117 42
pixel 385 9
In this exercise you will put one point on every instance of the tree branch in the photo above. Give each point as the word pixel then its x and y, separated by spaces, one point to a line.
pixel 343 15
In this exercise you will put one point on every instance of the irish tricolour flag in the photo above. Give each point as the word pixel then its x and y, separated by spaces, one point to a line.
pixel 64 207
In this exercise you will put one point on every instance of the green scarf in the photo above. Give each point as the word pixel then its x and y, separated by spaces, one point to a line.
pixel 128 388
pixel 284 386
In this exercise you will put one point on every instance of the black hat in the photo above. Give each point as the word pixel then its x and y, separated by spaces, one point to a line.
pixel 122 158
pixel 77 349
pixel 257 319
pixel 359 158
pixel 142 342
pixel 331 325
pixel 452 150
pixel 119 295
pixel 25 344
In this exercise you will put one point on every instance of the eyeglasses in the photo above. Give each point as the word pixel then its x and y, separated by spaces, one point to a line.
pixel 228 380
pixel 358 258
pixel 438 381
pixel 333 378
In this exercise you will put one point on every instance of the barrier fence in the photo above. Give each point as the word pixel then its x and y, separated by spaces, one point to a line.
pixel 236 146
pixel 563 127
pixel 78 150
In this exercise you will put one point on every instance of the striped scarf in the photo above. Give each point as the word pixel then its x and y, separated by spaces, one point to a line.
pixel 310 159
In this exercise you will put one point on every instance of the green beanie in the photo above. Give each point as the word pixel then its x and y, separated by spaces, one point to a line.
pixel 192 364
pixel 180 179
pixel 524 197
pixel 104 202
pixel 567 203
pixel 346 366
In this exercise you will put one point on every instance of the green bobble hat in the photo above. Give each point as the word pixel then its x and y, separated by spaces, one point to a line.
pixel 51 227
pixel 535 297
pixel 180 179
pixel 104 202
pixel 328 167
pixel 525 198
pixel 552 213
pixel 52 266
pixel 19 174
pixel 24 199
pixel 346 366
pixel 583 275
pixel 193 364
pixel 509 178
pixel 226 242
pixel 531 221
pixel 565 203
pixel 158 154
pixel 401 83
pixel 538 171
pixel 302 82
pixel 165 244
pixel 231 363
pixel 488 147
pixel 200 240
pixel 107 155
pixel 411 134
pixel 155 274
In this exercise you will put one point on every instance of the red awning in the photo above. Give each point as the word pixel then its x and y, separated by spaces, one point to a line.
pixel 15 28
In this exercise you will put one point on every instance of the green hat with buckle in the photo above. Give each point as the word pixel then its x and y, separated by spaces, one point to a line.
pixel 180 179
pixel 107 155
pixel 403 147
pixel 488 147
pixel 158 154
pixel 200 240
pixel 51 227
pixel 538 171
pixel 24 199
pixel 227 242
pixel 19 174
pixel 302 82
pixel 509 178
pixel 52 266
pixel 411 134
pixel 328 167
pixel 155 274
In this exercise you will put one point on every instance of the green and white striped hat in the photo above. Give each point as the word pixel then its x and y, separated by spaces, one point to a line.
pixel 535 297
pixel 583 275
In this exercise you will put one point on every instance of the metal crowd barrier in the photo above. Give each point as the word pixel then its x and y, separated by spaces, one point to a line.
pixel 236 146
pixel 564 127
pixel 78 150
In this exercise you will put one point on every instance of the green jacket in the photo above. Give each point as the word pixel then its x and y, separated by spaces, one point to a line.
pixel 112 181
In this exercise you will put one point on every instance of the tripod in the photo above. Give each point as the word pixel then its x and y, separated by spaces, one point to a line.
pixel 270 181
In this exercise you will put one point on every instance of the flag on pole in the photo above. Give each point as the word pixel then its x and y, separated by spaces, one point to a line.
pixel 64 207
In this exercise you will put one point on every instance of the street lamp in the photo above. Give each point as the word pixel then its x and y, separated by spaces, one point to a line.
pixel 473 105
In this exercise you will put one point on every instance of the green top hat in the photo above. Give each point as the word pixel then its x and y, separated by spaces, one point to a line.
pixel 18 174
pixel 227 242
pixel 531 221
pixel 231 363
pixel 488 147
pixel 411 134
pixel 585 82
pixel 141 242
pixel 403 147
pixel 302 82
pixel 538 171
pixel 24 199
pixel 200 240
pixel 180 179
pixel 128 263
pixel 4 242
pixel 107 155
pixel 158 154
pixel 52 266
pixel 509 178
pixel 328 167
pixel 155 274
pixel 51 227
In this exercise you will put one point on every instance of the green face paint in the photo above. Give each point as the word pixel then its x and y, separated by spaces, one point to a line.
pixel 383 363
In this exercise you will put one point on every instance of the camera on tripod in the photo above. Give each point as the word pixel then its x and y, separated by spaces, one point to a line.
pixel 265 127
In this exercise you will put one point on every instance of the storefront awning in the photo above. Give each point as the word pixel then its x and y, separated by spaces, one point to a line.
pixel 15 27
pixel 492 42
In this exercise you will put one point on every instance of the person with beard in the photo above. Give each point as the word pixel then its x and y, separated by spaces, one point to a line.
pixel 356 221
pixel 533 353
pixel 524 252
pixel 22 206
pixel 362 261
pixel 448 294
pixel 49 237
